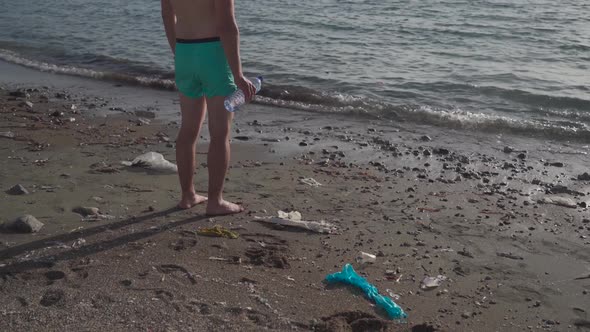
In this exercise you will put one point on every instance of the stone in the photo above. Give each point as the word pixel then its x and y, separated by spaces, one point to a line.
pixel 425 138
pixel 508 149
pixel 29 104
pixel 584 177
pixel 24 224
pixel 17 190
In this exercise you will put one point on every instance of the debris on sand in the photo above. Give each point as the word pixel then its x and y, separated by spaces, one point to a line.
pixel 432 282
pixel 218 231
pixel 560 201
pixel 349 276
pixel 310 182
pixel 152 161
pixel 293 219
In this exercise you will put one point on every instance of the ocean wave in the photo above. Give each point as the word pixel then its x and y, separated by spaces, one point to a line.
pixel 150 81
pixel 566 123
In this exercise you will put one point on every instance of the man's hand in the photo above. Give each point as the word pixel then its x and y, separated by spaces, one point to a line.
pixel 246 86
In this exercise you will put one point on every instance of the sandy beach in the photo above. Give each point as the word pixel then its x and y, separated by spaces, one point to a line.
pixel 503 219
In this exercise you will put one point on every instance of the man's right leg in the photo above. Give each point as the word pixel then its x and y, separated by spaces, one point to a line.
pixel 193 114
pixel 218 157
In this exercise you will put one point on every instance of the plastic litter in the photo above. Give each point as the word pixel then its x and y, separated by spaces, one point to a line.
pixel 364 258
pixel 153 161
pixel 561 201
pixel 432 282
pixel 218 231
pixel 7 134
pixel 294 219
pixel 310 181
pixel 349 276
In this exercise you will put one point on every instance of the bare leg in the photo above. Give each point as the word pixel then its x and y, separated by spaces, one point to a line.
pixel 218 157
pixel 193 113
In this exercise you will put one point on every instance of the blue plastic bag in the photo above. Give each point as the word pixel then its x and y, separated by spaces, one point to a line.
pixel 349 276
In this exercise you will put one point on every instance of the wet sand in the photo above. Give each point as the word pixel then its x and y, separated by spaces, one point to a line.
pixel 426 201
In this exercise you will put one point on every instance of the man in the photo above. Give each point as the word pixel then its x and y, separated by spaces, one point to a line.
pixel 204 38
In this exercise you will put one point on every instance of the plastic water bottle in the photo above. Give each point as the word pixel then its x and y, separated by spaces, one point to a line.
pixel 237 99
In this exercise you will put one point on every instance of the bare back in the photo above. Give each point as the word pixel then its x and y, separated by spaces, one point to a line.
pixel 195 18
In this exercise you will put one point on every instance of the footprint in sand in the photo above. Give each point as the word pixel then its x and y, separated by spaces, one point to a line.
pixel 53 297
pixel 352 321
pixel 54 275
pixel 267 250
pixel 182 244
pixel 177 269
pixel 258 318
pixel 201 308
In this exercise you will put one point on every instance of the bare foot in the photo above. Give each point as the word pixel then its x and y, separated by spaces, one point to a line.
pixel 190 201
pixel 223 208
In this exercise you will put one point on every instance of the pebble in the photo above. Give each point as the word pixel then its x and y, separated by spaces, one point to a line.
pixel 584 177
pixel 425 138
pixel 17 190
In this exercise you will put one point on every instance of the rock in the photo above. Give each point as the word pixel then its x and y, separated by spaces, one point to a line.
pixel 584 177
pixel 24 224
pixel 29 104
pixel 440 151
pixel 7 134
pixel 508 149
pixel 17 190
pixel 242 138
pixel 302 144
pixel 466 315
pixel 425 138
pixel 521 156
pixel 86 211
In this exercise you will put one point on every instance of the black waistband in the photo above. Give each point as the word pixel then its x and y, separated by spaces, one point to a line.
pixel 197 41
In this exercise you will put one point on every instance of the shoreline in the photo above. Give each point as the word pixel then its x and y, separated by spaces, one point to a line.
pixel 426 201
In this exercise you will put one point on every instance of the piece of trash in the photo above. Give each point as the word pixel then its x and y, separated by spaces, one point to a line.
pixel 561 201
pixel 392 294
pixel 432 282
pixel 310 181
pixel 86 211
pixel 7 134
pixel 364 258
pixel 349 276
pixel 91 213
pixel 78 243
pixel 219 259
pixel 218 231
pixel 153 161
pixel 294 219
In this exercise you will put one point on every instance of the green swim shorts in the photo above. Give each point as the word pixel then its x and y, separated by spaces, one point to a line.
pixel 201 68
